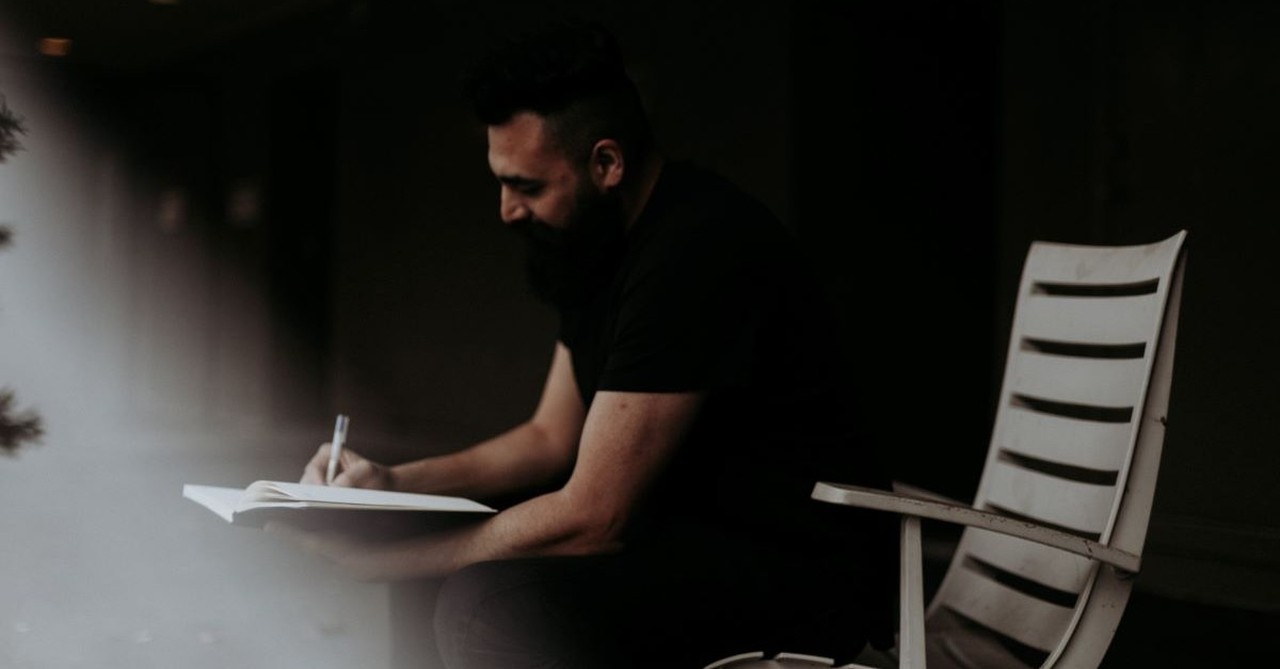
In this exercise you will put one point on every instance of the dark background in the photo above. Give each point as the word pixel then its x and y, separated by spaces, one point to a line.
pixel 917 148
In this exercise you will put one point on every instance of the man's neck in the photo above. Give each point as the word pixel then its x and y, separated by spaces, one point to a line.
pixel 634 201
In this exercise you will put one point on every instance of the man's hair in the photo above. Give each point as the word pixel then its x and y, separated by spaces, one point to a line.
pixel 570 73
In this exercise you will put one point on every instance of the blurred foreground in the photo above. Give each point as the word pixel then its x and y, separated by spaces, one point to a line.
pixel 105 565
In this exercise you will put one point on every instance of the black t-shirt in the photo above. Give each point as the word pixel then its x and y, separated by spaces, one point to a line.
pixel 712 295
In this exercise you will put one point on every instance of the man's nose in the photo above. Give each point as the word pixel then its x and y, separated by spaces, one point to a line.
pixel 510 208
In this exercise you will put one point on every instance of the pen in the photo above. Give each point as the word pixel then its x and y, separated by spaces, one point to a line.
pixel 335 447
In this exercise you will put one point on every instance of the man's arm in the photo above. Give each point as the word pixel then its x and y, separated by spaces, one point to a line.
pixel 626 441
pixel 530 455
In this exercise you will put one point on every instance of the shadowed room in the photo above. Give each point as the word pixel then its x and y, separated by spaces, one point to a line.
pixel 223 223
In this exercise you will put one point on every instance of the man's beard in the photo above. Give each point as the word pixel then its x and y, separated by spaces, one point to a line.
pixel 566 266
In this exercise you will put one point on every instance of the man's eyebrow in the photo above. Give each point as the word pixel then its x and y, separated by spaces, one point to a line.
pixel 516 181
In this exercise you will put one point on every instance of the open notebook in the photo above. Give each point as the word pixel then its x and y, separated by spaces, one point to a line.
pixel 266 500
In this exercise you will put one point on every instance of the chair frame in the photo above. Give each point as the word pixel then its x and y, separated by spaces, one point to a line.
pixel 1116 556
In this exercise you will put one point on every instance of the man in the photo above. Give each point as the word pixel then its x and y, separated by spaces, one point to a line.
pixel 661 513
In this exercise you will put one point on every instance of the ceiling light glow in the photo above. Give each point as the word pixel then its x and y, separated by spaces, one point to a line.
pixel 56 47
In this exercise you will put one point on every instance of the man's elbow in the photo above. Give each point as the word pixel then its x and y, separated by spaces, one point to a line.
pixel 553 448
pixel 596 527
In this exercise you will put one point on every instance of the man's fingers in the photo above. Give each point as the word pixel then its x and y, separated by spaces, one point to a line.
pixel 343 479
pixel 310 472
pixel 354 474
pixel 348 458
pixel 341 551
pixel 314 472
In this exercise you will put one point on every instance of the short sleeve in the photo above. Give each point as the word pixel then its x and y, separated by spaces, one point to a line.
pixel 689 316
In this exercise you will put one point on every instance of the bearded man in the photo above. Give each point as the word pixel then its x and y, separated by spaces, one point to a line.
pixel 661 513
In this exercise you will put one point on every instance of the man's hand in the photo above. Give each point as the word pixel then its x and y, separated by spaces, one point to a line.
pixel 369 560
pixel 352 555
pixel 354 470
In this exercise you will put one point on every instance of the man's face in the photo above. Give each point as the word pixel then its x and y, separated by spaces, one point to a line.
pixel 538 181
pixel 573 230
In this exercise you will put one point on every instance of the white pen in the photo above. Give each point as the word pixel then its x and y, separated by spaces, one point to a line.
pixel 335 447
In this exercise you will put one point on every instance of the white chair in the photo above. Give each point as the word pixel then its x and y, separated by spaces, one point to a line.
pixel 1053 540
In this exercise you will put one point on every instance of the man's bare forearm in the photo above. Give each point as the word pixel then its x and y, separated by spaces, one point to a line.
pixel 523 458
pixel 624 444
pixel 549 524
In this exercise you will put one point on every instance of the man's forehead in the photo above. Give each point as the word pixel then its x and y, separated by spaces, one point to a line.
pixel 520 146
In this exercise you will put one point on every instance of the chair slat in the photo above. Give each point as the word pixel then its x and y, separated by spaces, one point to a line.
pixel 1068 263
pixel 1019 616
pixel 956 643
pixel 1080 443
pixel 1061 457
pixel 1089 381
pixel 1091 320
pixel 1083 507
pixel 1047 566
pixel 1063 448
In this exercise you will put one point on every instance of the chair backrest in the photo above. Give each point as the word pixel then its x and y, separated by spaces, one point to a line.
pixel 1076 445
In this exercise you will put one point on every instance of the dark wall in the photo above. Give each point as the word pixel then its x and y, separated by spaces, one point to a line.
pixel 1127 121
pixel 869 129
pixel 396 295
pixel 437 335
pixel 896 173
pixel 917 148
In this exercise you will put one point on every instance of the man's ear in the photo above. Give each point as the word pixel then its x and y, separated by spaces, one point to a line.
pixel 607 164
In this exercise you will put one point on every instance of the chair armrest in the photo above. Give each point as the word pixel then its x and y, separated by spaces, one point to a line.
pixel 909 490
pixel 881 500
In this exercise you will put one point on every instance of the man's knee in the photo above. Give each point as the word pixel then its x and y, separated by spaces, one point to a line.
pixel 508 614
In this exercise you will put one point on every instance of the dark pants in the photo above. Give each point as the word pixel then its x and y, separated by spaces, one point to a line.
pixel 680 603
